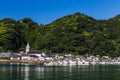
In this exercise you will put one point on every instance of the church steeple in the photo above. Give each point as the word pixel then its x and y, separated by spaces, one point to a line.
pixel 27 48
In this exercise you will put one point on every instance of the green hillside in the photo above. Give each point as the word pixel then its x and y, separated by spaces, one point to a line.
pixel 76 34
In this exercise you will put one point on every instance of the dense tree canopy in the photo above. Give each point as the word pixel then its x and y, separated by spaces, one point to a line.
pixel 75 34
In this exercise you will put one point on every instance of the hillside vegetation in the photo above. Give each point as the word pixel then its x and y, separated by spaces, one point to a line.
pixel 75 34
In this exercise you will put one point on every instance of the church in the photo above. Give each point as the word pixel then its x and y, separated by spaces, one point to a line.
pixel 29 54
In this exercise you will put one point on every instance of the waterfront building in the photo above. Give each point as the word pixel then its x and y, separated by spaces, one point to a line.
pixel 5 54
pixel 15 57
pixel 29 55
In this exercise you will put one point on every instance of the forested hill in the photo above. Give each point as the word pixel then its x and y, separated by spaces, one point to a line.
pixel 76 34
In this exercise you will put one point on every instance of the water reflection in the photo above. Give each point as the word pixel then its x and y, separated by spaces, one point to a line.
pixel 35 72
pixel 39 72
pixel 26 69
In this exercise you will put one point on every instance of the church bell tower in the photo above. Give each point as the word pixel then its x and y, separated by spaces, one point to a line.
pixel 27 48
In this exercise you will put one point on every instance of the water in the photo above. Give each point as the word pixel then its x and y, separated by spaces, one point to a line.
pixel 35 72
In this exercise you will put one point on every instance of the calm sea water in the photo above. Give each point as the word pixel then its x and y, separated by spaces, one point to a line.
pixel 35 72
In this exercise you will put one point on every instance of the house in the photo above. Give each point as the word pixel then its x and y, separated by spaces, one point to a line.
pixel 5 54
pixel 36 54
pixel 25 56
pixel 51 57
pixel 15 57
pixel 34 57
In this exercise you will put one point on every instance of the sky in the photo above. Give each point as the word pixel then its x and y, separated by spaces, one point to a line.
pixel 46 11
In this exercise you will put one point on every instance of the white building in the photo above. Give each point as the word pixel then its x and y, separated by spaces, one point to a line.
pixel 33 54
pixel 29 55
pixel 27 48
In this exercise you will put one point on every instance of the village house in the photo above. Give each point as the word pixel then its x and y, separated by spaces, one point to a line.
pixel 15 57
pixel 5 54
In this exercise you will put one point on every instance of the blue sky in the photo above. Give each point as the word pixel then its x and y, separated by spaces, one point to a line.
pixel 46 11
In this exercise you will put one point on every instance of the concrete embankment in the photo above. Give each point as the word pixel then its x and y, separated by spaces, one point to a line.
pixel 22 61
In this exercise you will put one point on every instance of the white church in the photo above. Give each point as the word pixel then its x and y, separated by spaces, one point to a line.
pixel 27 48
pixel 29 55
